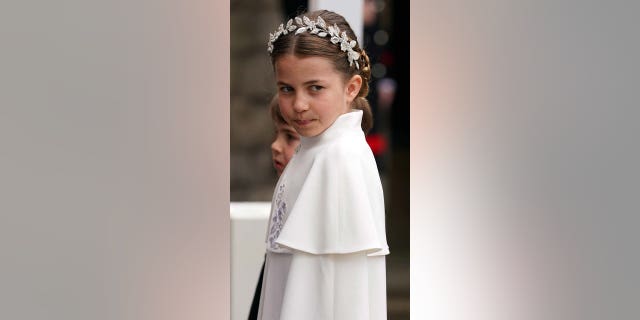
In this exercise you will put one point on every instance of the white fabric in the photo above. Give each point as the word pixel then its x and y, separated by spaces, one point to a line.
pixel 326 241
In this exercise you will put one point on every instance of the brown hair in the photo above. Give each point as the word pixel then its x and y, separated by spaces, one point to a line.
pixel 274 111
pixel 307 44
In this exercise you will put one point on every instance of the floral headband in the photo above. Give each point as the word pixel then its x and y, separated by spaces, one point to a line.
pixel 319 28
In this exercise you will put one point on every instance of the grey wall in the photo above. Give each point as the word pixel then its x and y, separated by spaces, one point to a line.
pixel 525 160
pixel 114 191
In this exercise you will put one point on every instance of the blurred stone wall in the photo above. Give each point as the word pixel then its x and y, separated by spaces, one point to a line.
pixel 252 174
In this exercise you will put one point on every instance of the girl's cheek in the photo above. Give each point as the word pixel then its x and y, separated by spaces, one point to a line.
pixel 289 154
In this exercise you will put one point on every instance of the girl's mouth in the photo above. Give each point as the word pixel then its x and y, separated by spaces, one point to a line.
pixel 302 123
pixel 278 165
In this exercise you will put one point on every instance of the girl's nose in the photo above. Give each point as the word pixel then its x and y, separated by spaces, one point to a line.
pixel 275 147
pixel 300 104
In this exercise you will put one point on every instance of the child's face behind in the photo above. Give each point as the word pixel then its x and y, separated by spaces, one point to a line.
pixel 284 146
pixel 311 93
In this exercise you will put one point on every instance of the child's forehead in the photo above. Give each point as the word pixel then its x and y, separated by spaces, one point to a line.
pixel 297 66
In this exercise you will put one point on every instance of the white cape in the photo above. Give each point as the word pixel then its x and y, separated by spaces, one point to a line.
pixel 326 241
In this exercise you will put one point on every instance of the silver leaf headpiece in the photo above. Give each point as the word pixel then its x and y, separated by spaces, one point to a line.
pixel 319 28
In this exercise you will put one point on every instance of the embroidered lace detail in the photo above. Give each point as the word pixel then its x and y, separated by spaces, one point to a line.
pixel 277 221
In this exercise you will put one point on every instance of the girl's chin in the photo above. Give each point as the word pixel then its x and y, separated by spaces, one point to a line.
pixel 310 132
pixel 305 125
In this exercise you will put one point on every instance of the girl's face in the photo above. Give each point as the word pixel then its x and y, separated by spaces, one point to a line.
pixel 284 146
pixel 311 93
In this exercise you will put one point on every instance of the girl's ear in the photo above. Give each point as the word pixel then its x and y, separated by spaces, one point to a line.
pixel 353 87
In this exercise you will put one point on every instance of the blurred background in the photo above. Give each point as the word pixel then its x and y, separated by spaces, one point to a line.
pixel 385 37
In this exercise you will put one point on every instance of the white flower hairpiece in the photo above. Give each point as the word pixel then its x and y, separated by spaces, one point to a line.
pixel 319 28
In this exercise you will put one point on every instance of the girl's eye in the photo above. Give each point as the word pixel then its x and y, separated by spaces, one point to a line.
pixel 291 137
pixel 285 89
pixel 316 88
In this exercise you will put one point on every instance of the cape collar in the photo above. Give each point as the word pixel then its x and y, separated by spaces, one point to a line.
pixel 348 122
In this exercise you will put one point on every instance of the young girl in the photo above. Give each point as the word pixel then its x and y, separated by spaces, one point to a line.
pixel 326 241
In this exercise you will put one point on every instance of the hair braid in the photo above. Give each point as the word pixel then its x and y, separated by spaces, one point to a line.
pixel 360 102
pixel 365 73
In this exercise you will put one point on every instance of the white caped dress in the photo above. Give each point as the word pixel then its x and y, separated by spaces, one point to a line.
pixel 326 242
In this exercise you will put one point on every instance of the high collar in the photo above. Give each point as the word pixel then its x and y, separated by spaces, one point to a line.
pixel 348 122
